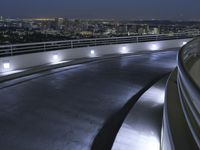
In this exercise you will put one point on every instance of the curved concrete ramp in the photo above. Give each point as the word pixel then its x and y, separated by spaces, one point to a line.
pixel 141 129
pixel 67 110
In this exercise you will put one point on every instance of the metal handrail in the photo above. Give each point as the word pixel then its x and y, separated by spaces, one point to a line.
pixel 189 92
pixel 16 49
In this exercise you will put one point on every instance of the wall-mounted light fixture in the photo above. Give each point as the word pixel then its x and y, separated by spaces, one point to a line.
pixel 154 47
pixel 92 52
pixel 55 58
pixel 6 65
pixel 124 50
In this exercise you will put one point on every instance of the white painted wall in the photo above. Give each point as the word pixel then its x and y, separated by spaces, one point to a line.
pixel 36 59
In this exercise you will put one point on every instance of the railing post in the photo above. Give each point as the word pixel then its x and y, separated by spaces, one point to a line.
pixel 11 50
pixel 71 44
pixel 156 37
pixel 44 46
pixel 95 42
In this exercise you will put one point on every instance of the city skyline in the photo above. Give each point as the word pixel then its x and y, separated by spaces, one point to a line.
pixel 90 9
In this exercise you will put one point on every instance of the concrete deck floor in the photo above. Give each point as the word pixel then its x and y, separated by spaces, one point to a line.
pixel 73 109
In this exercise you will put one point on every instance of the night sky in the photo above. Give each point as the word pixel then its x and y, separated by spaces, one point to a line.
pixel 105 9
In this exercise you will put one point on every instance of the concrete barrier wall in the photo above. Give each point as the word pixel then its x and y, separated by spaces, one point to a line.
pixel 194 72
pixel 36 59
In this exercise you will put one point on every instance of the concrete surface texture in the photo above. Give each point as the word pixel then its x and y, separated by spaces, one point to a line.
pixel 79 108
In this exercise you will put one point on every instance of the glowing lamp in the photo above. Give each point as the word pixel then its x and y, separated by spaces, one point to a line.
pixel 92 52
pixel 6 65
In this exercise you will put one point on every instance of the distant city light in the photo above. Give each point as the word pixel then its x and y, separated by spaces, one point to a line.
pixel 110 29
pixel 6 65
